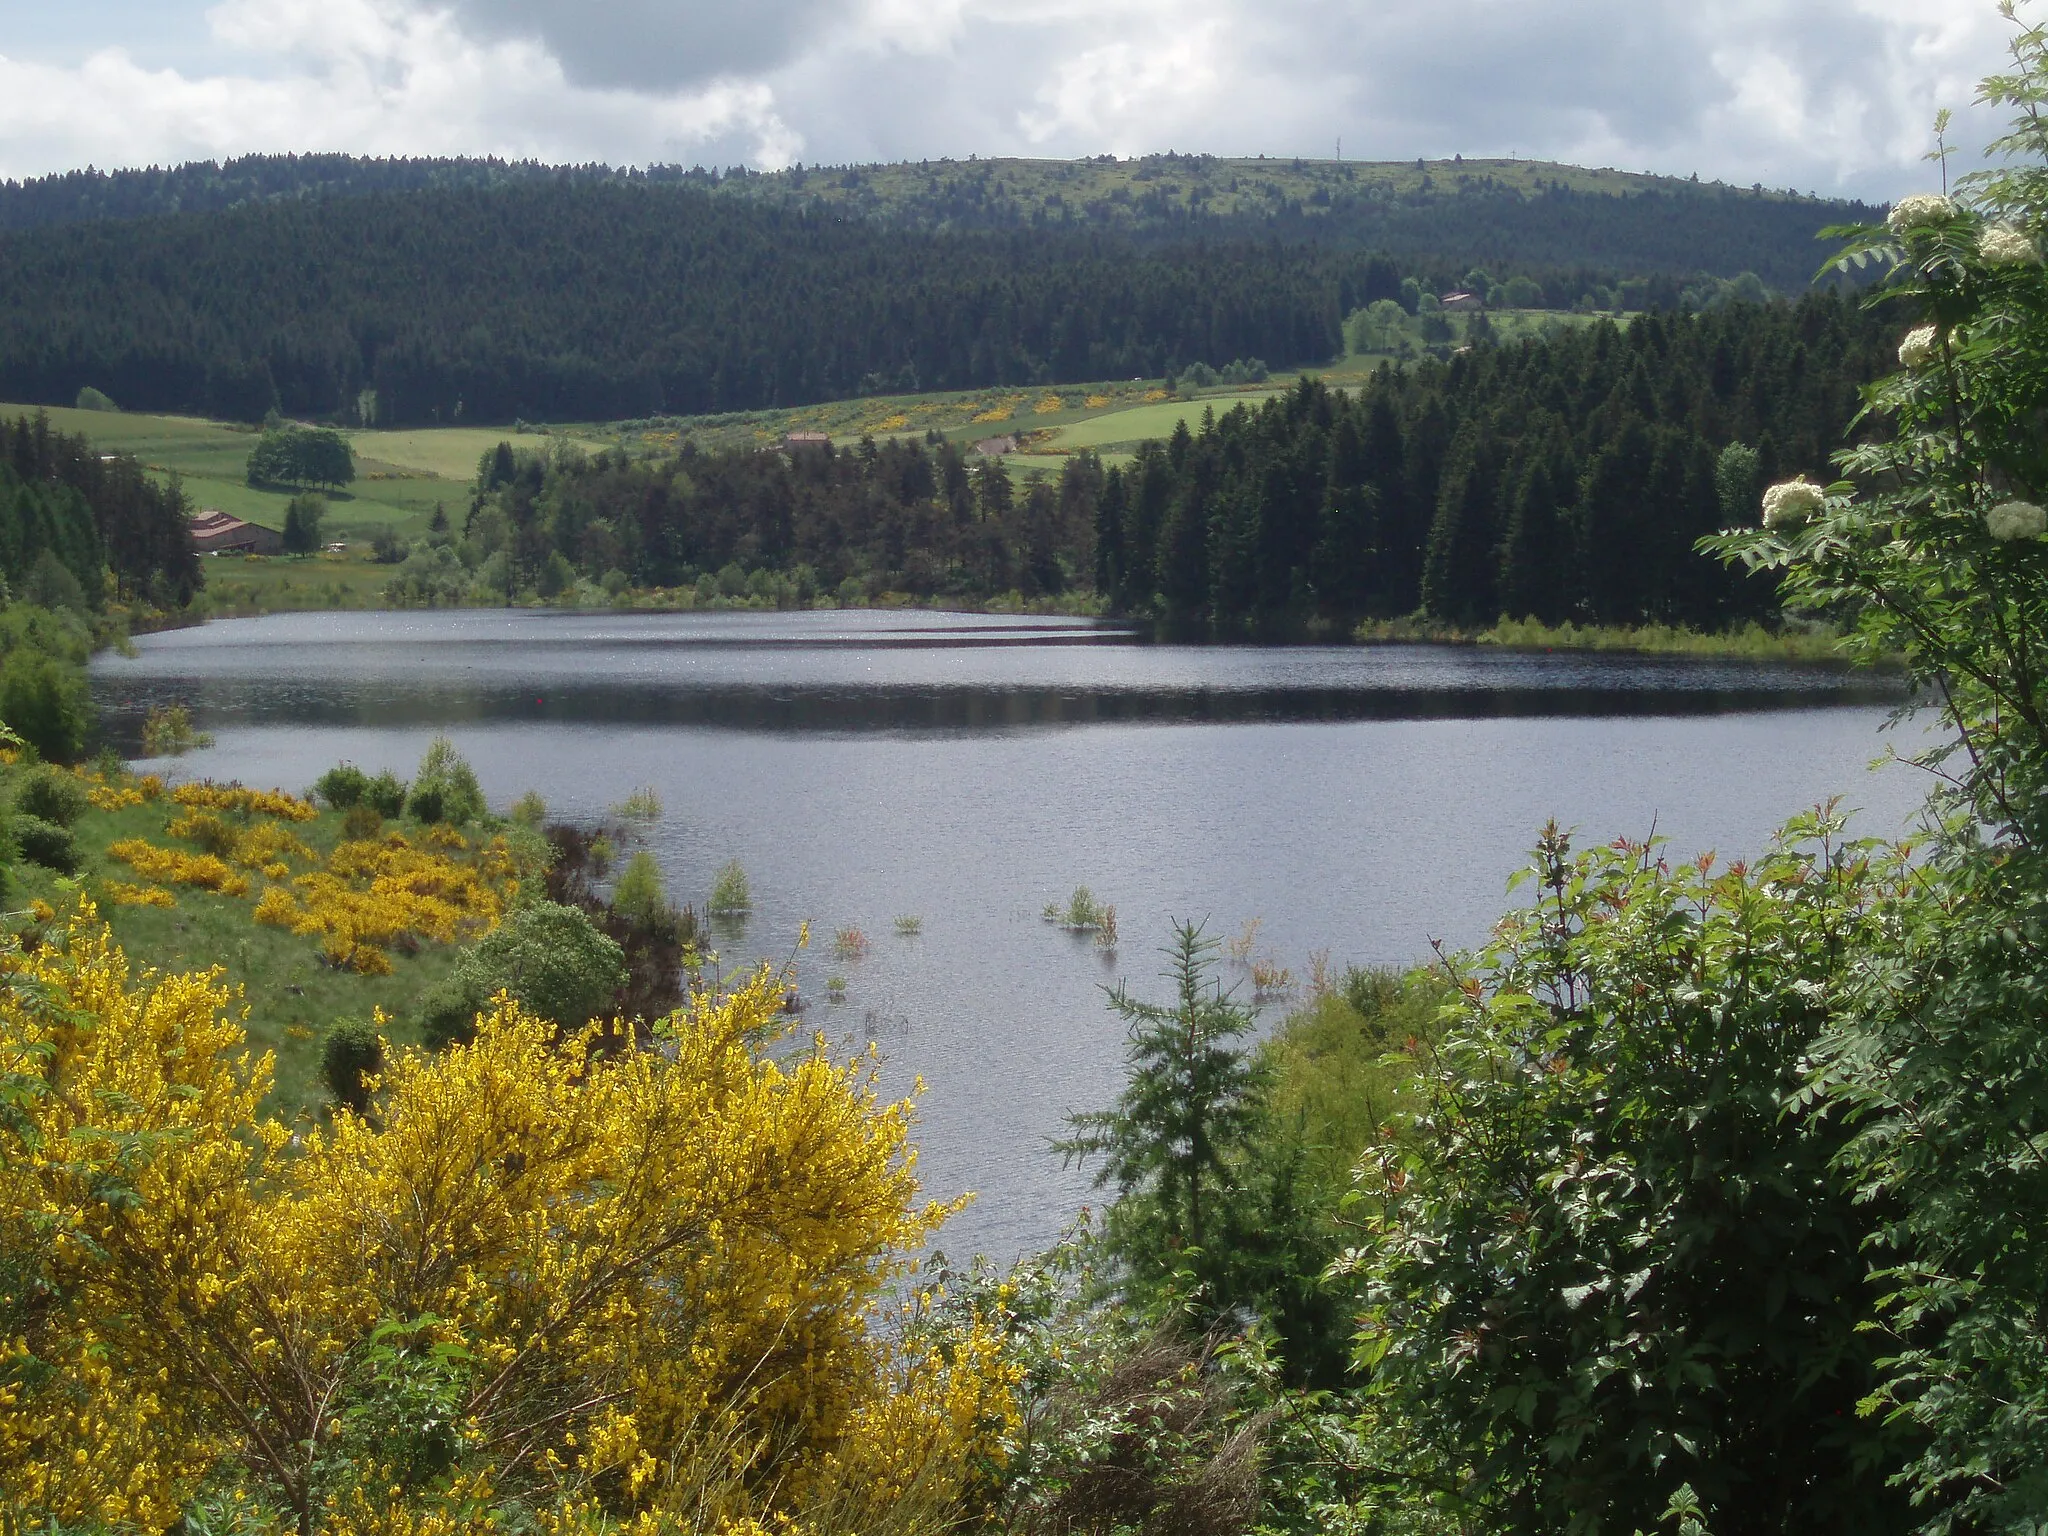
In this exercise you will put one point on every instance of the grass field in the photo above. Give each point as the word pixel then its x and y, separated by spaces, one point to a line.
pixel 1150 421
pixel 240 586
pixel 212 459
pixel 451 453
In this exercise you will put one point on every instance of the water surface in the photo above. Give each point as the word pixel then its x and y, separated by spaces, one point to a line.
pixel 967 769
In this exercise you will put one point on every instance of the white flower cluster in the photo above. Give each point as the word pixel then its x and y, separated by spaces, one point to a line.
pixel 2011 520
pixel 1921 346
pixel 2003 246
pixel 1921 208
pixel 1792 503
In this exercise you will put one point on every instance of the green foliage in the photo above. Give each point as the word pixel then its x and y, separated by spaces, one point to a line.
pixel 445 787
pixel 351 1052
pixel 385 794
pixel 289 455
pixel 550 957
pixel 47 702
pixel 643 806
pixel 1931 546
pixel 342 786
pixel 96 512
pixel 90 399
pixel 169 732
pixel 47 843
pixel 1084 914
pixel 448 1010
pixel 302 518
pixel 529 810
pixel 639 896
pixel 1612 1258
pixel 362 822
pixel 1343 1067
pixel 51 794
pixel 1189 1107
pixel 730 893
pixel 50 583
pixel 51 549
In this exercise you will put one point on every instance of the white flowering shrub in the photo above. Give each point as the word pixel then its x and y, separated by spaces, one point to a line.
pixel 2003 246
pixel 2011 520
pixel 1931 548
pixel 1919 211
pixel 1921 347
pixel 1792 503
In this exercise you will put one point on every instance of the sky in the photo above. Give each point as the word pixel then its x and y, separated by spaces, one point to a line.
pixel 1831 96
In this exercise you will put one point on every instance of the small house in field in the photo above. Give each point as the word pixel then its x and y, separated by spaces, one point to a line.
pixel 215 533
pixel 1460 301
pixel 996 447
pixel 806 442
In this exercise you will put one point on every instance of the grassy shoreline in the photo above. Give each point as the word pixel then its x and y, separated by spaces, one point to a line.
pixel 1752 641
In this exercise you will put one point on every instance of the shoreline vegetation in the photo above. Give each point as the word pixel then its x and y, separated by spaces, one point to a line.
pixel 1805 643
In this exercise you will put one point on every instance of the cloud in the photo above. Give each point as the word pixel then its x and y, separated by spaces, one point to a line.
pixel 372 76
pixel 654 44
pixel 1834 95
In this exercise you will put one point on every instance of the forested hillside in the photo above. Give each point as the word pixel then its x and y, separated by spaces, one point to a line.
pixel 417 292
pixel 1490 212
pixel 1565 479
pixel 593 302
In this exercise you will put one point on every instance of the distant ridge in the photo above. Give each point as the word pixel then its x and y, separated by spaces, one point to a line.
pixel 1520 212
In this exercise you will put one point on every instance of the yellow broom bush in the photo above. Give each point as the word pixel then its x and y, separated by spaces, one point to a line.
pixel 616 1293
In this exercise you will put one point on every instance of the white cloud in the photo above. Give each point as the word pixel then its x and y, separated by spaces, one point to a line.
pixel 372 76
pixel 1834 95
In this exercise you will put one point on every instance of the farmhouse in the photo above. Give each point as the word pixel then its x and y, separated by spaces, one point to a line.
pixel 996 447
pixel 214 533
pixel 1462 301
pixel 806 442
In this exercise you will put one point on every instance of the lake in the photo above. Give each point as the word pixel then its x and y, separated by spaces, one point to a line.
pixel 967 769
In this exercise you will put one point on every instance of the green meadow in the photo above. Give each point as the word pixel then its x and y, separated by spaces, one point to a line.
pixel 211 458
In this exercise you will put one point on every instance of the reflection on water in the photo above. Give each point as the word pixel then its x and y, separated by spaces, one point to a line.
pixel 965 770
pixel 887 671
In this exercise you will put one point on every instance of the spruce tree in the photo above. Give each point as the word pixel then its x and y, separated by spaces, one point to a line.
pixel 1189 1109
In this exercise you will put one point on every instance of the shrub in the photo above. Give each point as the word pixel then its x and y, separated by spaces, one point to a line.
pixel 642 805
pixel 342 786
pixel 386 793
pixel 169 732
pixel 352 1052
pixel 448 1011
pixel 361 822
pixel 730 892
pixel 529 810
pixel 46 843
pixel 1611 1227
pixel 52 794
pixel 552 959
pixel 90 399
pixel 445 788
pixel 47 704
pixel 639 897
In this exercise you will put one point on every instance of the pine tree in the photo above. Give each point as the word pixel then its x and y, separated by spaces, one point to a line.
pixel 1191 1101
